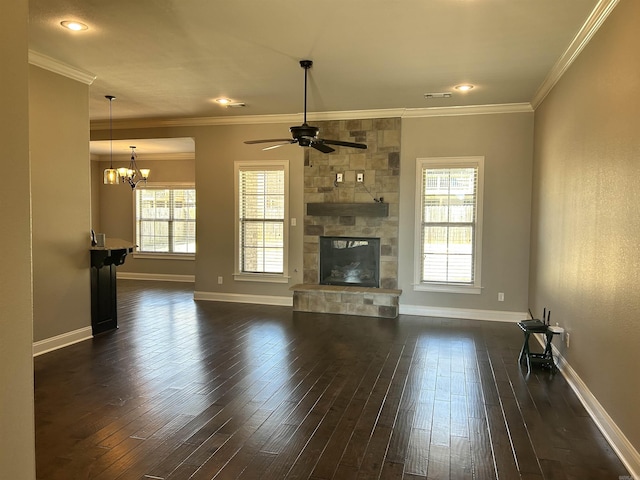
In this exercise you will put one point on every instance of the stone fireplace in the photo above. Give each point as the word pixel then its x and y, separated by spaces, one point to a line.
pixel 352 209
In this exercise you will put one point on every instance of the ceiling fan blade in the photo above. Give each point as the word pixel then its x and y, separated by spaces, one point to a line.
pixel 277 145
pixel 272 140
pixel 343 144
pixel 322 147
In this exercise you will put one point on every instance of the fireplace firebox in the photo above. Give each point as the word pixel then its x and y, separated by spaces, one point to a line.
pixel 350 261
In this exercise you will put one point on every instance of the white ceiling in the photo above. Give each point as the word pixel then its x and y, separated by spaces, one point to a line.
pixel 170 59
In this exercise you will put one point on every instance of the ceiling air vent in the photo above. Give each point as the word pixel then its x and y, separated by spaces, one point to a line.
pixel 437 95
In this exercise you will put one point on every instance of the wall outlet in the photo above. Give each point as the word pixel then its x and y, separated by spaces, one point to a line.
pixel 501 296
pixel 360 177
pixel 339 177
pixel 567 338
pixel 219 280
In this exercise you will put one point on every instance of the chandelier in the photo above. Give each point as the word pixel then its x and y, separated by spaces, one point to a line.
pixel 132 174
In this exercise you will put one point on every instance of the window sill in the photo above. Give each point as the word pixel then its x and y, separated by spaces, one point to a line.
pixel 164 256
pixel 444 288
pixel 261 277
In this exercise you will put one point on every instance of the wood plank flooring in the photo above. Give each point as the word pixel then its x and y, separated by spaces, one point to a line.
pixel 203 390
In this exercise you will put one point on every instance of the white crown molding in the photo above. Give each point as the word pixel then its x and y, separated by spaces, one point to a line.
pixel 467 110
pixel 317 116
pixel 60 341
pixel 599 14
pixel 56 66
pixel 194 122
pixel 145 157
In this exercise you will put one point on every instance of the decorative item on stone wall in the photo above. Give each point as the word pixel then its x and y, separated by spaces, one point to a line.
pixel 306 135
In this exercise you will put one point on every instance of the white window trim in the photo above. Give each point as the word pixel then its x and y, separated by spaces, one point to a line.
pixel 449 162
pixel 164 256
pixel 261 277
pixel 161 255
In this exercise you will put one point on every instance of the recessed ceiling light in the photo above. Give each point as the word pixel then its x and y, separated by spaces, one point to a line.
pixel 223 101
pixel 73 25
pixel 464 87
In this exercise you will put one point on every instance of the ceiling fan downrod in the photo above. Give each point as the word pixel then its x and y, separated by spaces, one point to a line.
pixel 306 64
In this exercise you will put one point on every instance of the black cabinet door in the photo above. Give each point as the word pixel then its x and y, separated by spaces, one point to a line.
pixel 104 309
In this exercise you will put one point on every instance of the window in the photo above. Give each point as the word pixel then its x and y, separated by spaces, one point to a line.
pixel 262 217
pixel 449 224
pixel 166 220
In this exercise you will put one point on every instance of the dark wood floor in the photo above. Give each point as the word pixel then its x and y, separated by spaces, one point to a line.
pixel 204 390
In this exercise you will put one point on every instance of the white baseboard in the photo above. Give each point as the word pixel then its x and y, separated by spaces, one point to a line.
pixel 161 277
pixel 63 340
pixel 243 298
pixel 469 313
pixel 628 455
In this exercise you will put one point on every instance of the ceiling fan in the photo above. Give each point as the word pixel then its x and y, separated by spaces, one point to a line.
pixel 306 135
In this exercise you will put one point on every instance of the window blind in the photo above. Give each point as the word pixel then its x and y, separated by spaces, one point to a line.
pixel 261 222
pixel 449 215
pixel 166 220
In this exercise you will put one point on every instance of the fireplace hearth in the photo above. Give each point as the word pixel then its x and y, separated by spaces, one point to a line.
pixel 350 261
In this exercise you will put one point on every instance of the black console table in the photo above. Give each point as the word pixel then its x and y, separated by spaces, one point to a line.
pixel 104 260
pixel 545 358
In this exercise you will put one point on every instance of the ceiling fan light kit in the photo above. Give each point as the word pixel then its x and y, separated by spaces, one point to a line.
pixel 306 135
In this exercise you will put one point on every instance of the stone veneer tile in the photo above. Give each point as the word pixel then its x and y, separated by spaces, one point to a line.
pixel 394 160
pixel 389 138
pixel 357 161
pixel 386 123
pixel 387 312
pixel 353 124
pixel 332 297
pixel 309 247
pixel 313 230
pixel 352 298
pixel 389 283
pixel 333 308
pixel 359 136
pixel 378 163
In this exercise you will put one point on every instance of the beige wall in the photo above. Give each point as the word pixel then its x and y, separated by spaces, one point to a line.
pixel 96 182
pixel 60 182
pixel 505 141
pixel 17 449
pixel 585 262
pixel 217 147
